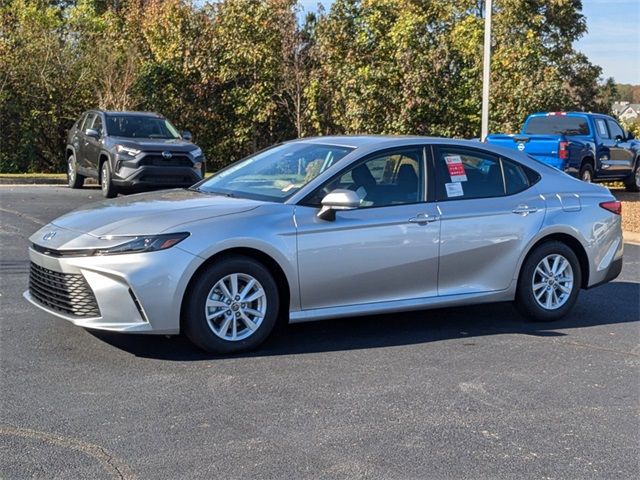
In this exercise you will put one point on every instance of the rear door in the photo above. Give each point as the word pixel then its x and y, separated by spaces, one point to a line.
pixel 386 250
pixel 489 210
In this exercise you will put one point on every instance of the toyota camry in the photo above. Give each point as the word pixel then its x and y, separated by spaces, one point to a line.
pixel 330 227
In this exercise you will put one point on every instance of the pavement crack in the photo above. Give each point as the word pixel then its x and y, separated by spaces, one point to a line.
pixel 112 464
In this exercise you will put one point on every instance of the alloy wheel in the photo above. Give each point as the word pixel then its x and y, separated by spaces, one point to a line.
pixel 552 282
pixel 235 307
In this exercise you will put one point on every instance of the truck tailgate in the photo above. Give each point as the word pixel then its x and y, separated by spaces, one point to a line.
pixel 542 147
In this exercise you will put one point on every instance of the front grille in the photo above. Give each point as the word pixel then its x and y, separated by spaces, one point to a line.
pixel 64 292
pixel 160 161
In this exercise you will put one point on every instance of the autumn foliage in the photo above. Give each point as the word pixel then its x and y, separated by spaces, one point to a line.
pixel 244 74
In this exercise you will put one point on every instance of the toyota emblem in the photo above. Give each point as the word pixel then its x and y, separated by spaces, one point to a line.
pixel 167 155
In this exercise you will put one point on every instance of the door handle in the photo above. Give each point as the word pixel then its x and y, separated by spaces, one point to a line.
pixel 423 219
pixel 524 210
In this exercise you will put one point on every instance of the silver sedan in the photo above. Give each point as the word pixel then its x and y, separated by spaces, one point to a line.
pixel 330 227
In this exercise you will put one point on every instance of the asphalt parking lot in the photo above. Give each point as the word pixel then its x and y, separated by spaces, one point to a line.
pixel 455 393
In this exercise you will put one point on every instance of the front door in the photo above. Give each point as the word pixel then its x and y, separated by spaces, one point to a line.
pixel 386 250
pixel 489 210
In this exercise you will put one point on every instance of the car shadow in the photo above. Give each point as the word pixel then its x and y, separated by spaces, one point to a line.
pixel 609 304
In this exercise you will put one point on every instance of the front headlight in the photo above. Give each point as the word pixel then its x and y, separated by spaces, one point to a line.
pixel 196 153
pixel 147 243
pixel 128 150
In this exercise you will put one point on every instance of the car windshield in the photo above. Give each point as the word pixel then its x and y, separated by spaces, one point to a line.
pixel 275 174
pixel 557 125
pixel 141 126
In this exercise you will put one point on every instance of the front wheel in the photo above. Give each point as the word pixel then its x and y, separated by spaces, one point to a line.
pixel 232 307
pixel 549 282
pixel 74 179
pixel 109 190
pixel 632 184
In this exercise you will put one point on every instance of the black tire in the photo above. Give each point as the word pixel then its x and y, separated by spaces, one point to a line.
pixel 74 179
pixel 525 300
pixel 109 190
pixel 632 183
pixel 586 173
pixel 194 321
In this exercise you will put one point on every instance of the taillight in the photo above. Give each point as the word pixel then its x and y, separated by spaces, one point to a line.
pixel 613 207
pixel 563 150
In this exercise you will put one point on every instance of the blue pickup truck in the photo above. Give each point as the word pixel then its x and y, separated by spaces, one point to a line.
pixel 590 146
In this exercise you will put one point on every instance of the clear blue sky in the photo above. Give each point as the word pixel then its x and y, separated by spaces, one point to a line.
pixel 612 42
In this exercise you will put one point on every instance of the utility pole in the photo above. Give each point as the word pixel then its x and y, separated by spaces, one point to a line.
pixel 486 70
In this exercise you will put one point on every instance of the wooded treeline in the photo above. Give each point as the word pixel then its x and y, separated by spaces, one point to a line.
pixel 243 74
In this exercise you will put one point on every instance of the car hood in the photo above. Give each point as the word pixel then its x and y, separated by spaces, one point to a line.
pixel 142 214
pixel 153 144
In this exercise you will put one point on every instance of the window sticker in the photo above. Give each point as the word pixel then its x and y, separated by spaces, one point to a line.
pixel 454 189
pixel 602 128
pixel 456 168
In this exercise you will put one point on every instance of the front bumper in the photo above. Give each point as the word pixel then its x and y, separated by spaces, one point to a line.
pixel 137 293
pixel 150 176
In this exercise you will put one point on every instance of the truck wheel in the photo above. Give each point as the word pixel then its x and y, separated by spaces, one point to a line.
pixel 109 190
pixel 74 179
pixel 586 173
pixel 632 183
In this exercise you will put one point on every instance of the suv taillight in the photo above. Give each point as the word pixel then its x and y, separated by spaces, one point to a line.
pixel 613 207
pixel 563 150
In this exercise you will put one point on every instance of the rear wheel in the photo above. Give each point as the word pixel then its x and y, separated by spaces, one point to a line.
pixel 549 282
pixel 632 184
pixel 232 307
pixel 109 190
pixel 74 179
pixel 586 173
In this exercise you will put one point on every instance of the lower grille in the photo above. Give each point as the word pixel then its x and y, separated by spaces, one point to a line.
pixel 160 161
pixel 64 292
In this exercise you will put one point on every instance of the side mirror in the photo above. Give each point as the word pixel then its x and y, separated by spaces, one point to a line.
pixel 339 199
pixel 90 132
pixel 619 138
pixel 186 136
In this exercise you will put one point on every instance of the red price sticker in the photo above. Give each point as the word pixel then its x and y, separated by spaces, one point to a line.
pixel 456 168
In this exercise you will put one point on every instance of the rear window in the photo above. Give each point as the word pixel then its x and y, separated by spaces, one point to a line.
pixel 557 125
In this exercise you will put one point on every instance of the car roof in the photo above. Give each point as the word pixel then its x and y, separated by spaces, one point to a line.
pixel 364 144
pixel 383 141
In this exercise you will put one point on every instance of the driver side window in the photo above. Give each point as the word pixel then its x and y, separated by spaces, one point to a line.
pixel 392 178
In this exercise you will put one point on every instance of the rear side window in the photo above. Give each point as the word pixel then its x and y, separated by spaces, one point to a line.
pixel 557 125
pixel 515 177
pixel 465 174
pixel 602 128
